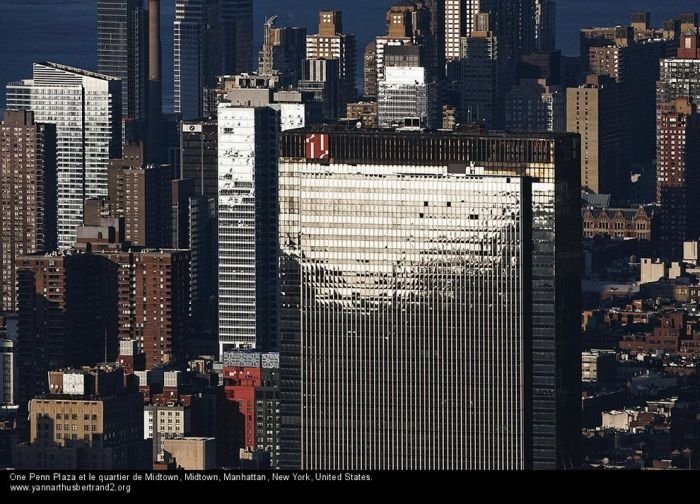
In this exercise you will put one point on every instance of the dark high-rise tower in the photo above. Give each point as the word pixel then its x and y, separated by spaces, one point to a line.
pixel 678 174
pixel 211 38
pixel 199 157
pixel 67 315
pixel 374 317
pixel 237 36
pixel 282 53
pixel 545 25
pixel 27 195
pixel 155 86
pixel 122 50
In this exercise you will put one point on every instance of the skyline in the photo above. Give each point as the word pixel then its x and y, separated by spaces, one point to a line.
pixel 60 45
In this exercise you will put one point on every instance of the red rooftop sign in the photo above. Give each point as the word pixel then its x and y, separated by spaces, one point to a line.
pixel 317 146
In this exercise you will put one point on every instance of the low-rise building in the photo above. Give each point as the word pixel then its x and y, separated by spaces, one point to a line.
pixel 630 223
pixel 88 421
pixel 192 453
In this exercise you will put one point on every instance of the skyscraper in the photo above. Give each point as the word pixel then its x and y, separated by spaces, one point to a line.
pixel 459 20
pixel 534 105
pixel 247 212
pixel 678 175
pixel 211 38
pixel 237 21
pixel 370 71
pixel 680 76
pixel 677 138
pixel 514 22
pixel 635 67
pixel 122 50
pixel 194 229
pixel 86 109
pixel 384 319
pixel 155 148
pixel 410 37
pixel 320 78
pixel 27 196
pixel 331 43
pixel 161 277
pixel 141 195
pixel 199 156
pixel 189 57
pixel 595 111
pixel 486 74
pixel 545 25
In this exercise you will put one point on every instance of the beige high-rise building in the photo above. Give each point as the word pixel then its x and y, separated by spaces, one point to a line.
pixel 332 43
pixel 459 20
pixel 27 196
pixel 593 111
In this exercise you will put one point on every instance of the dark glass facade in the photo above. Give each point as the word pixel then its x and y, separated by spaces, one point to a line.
pixel 211 38
pixel 199 156
pixel 121 50
pixel 414 319
pixel 552 161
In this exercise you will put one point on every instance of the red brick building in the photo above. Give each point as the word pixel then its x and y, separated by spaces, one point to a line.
pixel 239 386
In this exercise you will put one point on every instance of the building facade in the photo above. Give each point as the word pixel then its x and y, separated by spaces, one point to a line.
pixel 617 223
pixel 211 38
pixel 405 93
pixel 594 111
pixel 122 50
pixel 247 212
pixel 678 175
pixel 251 379
pixel 86 109
pixel 8 372
pixel 282 53
pixel 83 423
pixel 141 195
pixel 153 296
pixel 331 43
pixel 27 196
pixel 533 105
pixel 67 314
pixel 486 72
pixel 392 312
pixel 199 155
pixel 344 305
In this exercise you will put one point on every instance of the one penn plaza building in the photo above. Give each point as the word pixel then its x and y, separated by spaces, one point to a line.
pixel 429 300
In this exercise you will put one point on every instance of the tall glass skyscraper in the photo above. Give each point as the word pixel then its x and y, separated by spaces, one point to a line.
pixel 121 50
pixel 427 319
pixel 247 209
pixel 86 109
pixel 189 57
pixel 211 38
